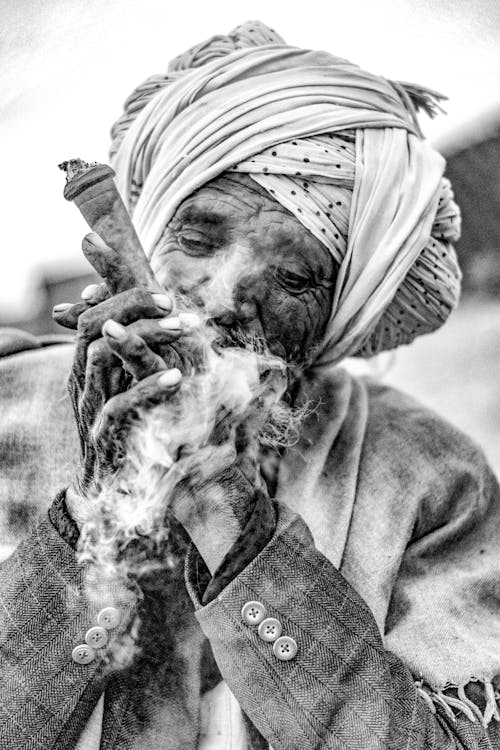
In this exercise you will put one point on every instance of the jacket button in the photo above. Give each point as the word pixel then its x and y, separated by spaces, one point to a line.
pixel 83 654
pixel 285 648
pixel 270 629
pixel 96 637
pixel 108 618
pixel 253 613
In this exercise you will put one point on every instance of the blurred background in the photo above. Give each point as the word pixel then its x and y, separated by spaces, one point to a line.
pixel 66 66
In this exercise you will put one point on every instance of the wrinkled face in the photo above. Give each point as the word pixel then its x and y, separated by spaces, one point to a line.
pixel 233 250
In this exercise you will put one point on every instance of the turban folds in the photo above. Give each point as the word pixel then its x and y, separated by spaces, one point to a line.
pixel 339 147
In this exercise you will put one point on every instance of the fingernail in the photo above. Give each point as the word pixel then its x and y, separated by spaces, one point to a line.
pixel 170 377
pixel 114 329
pixel 170 324
pixel 95 240
pixel 62 307
pixel 162 301
pixel 89 291
pixel 189 320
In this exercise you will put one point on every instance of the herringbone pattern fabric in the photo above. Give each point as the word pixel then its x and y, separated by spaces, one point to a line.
pixel 44 614
pixel 342 690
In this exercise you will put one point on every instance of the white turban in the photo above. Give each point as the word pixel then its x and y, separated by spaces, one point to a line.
pixel 376 198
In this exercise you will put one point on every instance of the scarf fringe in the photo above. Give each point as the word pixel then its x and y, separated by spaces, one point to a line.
pixel 452 706
pixel 419 98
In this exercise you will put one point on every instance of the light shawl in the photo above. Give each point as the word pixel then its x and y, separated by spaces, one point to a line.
pixel 403 504
pixel 221 106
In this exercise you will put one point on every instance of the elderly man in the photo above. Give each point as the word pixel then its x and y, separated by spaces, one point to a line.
pixel 339 585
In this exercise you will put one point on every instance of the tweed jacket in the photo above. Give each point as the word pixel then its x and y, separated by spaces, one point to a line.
pixel 344 688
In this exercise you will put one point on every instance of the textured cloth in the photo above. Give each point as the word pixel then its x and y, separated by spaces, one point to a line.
pixel 343 690
pixel 413 522
pixel 33 398
pixel 90 739
pixel 256 533
pixel 401 504
pixel 222 726
pixel 259 107
pixel 47 699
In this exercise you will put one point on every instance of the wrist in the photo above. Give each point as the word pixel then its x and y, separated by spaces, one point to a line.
pixel 77 506
pixel 256 534
pixel 214 539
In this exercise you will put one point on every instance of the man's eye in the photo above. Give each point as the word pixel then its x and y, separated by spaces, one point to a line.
pixel 292 281
pixel 194 245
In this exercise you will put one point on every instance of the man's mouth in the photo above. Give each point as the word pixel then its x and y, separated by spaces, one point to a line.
pixel 236 337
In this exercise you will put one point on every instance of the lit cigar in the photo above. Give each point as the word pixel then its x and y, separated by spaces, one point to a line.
pixel 92 188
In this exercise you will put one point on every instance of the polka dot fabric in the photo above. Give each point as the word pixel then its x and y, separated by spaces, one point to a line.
pixel 431 289
pixel 313 178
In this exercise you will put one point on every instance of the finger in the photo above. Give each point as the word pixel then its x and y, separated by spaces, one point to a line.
pixel 93 294
pixel 125 408
pixel 161 341
pixel 108 263
pixel 164 337
pixel 104 376
pixel 154 333
pixel 67 314
pixel 189 321
pixel 125 308
pixel 136 356
pixel 101 377
pixel 89 389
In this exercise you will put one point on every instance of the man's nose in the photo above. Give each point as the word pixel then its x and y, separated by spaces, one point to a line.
pixel 240 312
pixel 192 288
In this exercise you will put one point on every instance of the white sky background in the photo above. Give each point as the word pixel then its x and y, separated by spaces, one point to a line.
pixel 66 67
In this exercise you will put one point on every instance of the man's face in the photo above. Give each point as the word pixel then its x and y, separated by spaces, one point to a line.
pixel 233 250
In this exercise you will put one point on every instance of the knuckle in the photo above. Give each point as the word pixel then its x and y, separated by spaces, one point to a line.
pixel 147 329
pixel 136 348
pixel 86 323
pixel 139 297
pixel 98 354
pixel 114 409
pixel 104 426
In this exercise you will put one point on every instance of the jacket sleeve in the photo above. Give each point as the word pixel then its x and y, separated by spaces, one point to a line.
pixel 342 689
pixel 47 607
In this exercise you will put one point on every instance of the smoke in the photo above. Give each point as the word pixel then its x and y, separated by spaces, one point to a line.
pixel 229 402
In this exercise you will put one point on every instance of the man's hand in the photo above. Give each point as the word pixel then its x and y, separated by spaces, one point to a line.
pixel 212 500
pixel 125 359
pixel 129 359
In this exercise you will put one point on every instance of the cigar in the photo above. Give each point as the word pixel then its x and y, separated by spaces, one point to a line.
pixel 93 189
